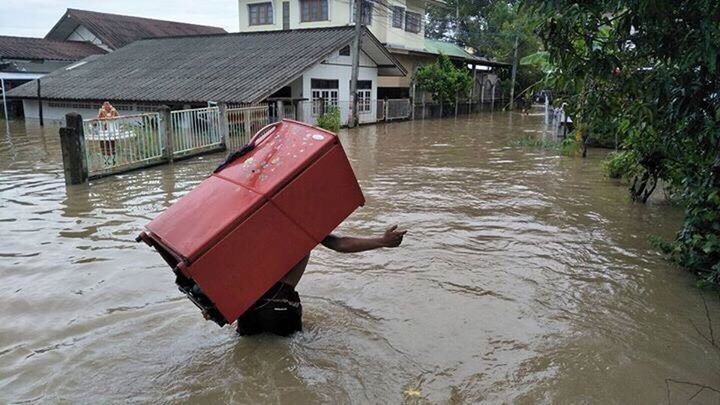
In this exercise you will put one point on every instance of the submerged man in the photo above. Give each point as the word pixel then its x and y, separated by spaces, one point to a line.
pixel 279 311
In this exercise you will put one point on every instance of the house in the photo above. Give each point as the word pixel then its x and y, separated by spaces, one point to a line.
pixel 77 35
pixel 397 24
pixel 242 68
pixel 23 59
pixel 113 31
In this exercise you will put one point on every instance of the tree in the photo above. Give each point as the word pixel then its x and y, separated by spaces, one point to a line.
pixel 490 27
pixel 443 80
pixel 647 72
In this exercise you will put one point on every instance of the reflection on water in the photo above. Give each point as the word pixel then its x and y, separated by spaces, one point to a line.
pixel 525 277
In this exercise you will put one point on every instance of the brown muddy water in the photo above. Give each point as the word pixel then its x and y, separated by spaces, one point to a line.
pixel 525 278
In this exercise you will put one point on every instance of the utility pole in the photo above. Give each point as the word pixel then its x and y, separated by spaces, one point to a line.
pixel 355 64
pixel 514 73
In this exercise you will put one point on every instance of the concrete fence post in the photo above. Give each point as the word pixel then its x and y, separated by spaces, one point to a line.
pixel 166 132
pixel 280 110
pixel 224 128
pixel 72 143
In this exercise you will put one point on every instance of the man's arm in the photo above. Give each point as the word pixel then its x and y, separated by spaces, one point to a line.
pixel 344 244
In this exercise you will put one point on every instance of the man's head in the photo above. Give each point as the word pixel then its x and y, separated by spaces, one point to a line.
pixel 107 105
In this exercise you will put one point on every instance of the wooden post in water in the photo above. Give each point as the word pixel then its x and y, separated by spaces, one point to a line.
pixel 224 128
pixel 39 100
pixel 165 128
pixel 72 143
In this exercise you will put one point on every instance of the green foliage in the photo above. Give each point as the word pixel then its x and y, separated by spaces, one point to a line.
pixel 490 27
pixel 330 120
pixel 621 165
pixel 646 73
pixel 443 79
pixel 531 141
pixel 567 146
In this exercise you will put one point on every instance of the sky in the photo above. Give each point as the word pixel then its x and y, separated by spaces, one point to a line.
pixel 34 18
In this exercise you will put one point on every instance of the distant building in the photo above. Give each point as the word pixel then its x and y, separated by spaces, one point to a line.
pixel 23 59
pixel 113 31
pixel 77 35
pixel 397 24
pixel 245 68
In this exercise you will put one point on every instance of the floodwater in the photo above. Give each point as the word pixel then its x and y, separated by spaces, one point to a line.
pixel 525 277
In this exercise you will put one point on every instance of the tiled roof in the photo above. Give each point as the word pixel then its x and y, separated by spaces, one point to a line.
pixel 234 68
pixel 39 48
pixel 116 30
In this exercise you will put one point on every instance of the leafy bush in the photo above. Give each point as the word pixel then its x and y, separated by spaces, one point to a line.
pixel 621 165
pixel 330 120
pixel 443 80
pixel 648 72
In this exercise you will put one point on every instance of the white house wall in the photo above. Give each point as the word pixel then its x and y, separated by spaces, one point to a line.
pixel 339 68
pixel 340 14
pixel 82 34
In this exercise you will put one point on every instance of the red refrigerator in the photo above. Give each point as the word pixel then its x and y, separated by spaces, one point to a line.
pixel 240 231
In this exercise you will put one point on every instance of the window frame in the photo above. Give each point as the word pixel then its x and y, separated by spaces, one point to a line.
pixel 324 91
pixel 269 16
pixel 398 17
pixel 367 12
pixel 324 14
pixel 364 96
pixel 411 16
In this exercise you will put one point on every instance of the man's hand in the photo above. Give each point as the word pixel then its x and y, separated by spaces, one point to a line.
pixel 392 237
pixel 347 244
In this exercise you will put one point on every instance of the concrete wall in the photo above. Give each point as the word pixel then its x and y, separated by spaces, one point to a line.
pixel 55 110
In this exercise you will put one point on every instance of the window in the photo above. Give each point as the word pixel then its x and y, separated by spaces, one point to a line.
pixel 323 92
pixel 367 10
pixel 313 10
pixel 345 51
pixel 397 16
pixel 364 94
pixel 413 22
pixel 260 13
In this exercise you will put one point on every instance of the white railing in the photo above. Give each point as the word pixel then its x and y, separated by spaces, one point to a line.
pixel 397 109
pixel 310 111
pixel 115 144
pixel 243 123
pixel 196 130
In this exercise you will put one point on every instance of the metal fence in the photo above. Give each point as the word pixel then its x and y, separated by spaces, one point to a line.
pixel 380 110
pixel 397 109
pixel 196 130
pixel 243 123
pixel 122 143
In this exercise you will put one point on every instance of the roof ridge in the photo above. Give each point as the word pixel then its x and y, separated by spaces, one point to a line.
pixel 138 17
pixel 229 34
pixel 47 39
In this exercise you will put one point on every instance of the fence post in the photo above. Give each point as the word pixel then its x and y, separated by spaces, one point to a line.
pixel 386 106
pixel 246 117
pixel 72 143
pixel 280 110
pixel 224 128
pixel 165 127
